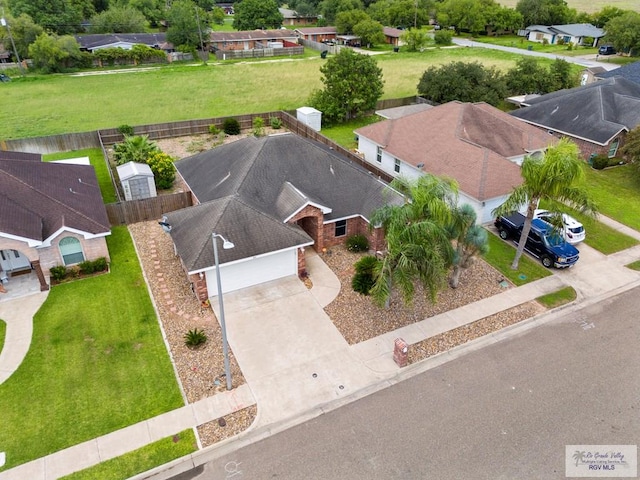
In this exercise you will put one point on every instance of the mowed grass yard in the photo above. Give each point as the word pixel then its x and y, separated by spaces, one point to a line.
pixel 46 105
pixel 97 363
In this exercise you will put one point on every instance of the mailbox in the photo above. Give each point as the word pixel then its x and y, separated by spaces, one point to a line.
pixel 400 352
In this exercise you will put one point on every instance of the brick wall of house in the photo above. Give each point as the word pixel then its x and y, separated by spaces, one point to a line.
pixel 30 252
pixel 92 248
pixel 310 220
pixel 588 148
pixel 199 286
pixel 355 226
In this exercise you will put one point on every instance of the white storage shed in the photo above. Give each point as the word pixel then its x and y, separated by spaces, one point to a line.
pixel 136 180
pixel 310 117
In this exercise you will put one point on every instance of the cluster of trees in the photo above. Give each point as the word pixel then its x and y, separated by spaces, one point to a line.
pixel 478 83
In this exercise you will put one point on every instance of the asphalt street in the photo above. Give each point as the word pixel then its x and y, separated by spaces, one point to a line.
pixel 502 412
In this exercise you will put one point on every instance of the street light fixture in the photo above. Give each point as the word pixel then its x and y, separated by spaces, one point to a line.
pixel 4 23
pixel 226 244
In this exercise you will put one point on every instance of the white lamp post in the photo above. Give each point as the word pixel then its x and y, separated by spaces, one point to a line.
pixel 225 347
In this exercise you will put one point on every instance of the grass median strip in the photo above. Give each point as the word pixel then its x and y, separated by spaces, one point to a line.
pixel 501 255
pixel 141 460
pixel 560 297
pixel 97 363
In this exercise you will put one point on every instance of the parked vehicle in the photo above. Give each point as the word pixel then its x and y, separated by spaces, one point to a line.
pixel 606 50
pixel 570 229
pixel 543 242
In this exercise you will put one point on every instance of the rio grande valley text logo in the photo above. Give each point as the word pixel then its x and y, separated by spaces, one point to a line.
pixel 601 461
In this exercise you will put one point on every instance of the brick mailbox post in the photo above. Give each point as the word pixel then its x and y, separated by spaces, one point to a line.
pixel 400 352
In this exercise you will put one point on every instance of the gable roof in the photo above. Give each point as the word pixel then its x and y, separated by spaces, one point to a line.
pixel 38 199
pixel 573 29
pixel 469 142
pixel 630 71
pixel 256 169
pixel 242 36
pixel 101 40
pixel 253 232
pixel 288 14
pixel 392 32
pixel 596 112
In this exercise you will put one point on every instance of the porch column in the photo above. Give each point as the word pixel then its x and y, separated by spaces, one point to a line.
pixel 43 282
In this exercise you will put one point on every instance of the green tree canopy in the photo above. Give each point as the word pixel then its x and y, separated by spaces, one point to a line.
pixel 218 16
pixel 352 85
pixel 330 8
pixel 153 10
pixel 58 16
pixel 473 83
pixel 418 243
pixel 119 20
pixel 183 25
pixel 545 12
pixel 256 14
pixel 470 240
pixel 468 15
pixel 631 151
pixel 623 32
pixel 555 177
pixel 370 32
pixel 24 32
pixel 52 53
pixel 601 18
pixel 345 21
pixel 528 77
pixel 414 39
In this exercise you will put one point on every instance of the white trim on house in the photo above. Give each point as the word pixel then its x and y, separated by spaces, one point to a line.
pixel 86 235
pixel 29 241
pixel 322 208
pixel 334 220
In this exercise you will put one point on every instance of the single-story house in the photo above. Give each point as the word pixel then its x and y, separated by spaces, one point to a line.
pixel 272 197
pixel 392 35
pixel 575 33
pixel 630 71
pixel 227 7
pixel 247 40
pixel 590 75
pixel 291 17
pixel 475 144
pixel 596 116
pixel 52 214
pixel 317 34
pixel 126 41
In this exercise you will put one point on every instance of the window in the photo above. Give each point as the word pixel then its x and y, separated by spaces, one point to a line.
pixel 396 167
pixel 341 228
pixel 71 251
pixel 613 149
pixel 379 154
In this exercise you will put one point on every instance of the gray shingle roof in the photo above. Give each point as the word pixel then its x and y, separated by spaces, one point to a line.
pixel 37 199
pixel 252 232
pixel 91 41
pixel 596 112
pixel 257 168
pixel 573 29
pixel 631 71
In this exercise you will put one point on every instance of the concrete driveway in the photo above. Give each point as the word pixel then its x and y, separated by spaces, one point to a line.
pixel 290 353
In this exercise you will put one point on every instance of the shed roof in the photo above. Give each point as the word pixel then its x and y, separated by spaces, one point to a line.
pixel 133 169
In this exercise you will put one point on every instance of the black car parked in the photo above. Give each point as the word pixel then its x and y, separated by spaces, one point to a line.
pixel 606 50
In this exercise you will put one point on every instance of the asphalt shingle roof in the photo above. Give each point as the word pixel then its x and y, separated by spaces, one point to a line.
pixel 94 40
pixel 467 142
pixel 596 112
pixel 37 199
pixel 631 71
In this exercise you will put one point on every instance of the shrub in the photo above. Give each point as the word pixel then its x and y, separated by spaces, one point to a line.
pixel 195 337
pixel 100 264
pixel 231 126
pixel 135 148
pixel 443 37
pixel 58 272
pixel 258 127
pixel 545 41
pixel 363 279
pixel 561 41
pixel 164 172
pixel 357 243
pixel 213 130
pixel 126 130
pixel 86 267
pixel 276 123
pixel 599 162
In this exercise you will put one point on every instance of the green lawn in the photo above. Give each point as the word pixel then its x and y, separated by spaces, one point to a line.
pixel 343 134
pixel 558 298
pixel 589 7
pixel 34 107
pixel 141 460
pixel 634 265
pixel 521 42
pixel 99 164
pixel 97 363
pixel 501 255
pixel 3 332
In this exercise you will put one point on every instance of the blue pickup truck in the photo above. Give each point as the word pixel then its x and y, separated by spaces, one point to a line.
pixel 543 242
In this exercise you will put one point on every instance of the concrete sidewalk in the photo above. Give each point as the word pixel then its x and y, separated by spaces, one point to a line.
pixel 297 366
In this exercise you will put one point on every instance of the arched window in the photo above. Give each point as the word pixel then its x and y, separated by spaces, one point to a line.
pixel 71 250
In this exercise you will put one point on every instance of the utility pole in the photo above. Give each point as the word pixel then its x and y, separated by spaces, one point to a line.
pixel 202 52
pixel 4 23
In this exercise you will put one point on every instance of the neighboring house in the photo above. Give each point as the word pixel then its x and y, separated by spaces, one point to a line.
pixel 248 40
pixel 596 116
pixel 126 41
pixel 590 75
pixel 291 17
pixel 475 144
pixel 630 71
pixel 317 34
pixel 272 197
pixel 403 111
pixel 52 214
pixel 227 7
pixel 575 33
pixel 392 36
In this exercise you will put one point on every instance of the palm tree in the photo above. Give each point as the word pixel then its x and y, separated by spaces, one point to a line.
pixel 470 239
pixel 418 244
pixel 134 148
pixel 578 456
pixel 554 177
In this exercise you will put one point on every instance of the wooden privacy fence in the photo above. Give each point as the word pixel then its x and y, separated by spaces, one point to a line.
pixel 53 143
pixel 133 211
pixel 259 52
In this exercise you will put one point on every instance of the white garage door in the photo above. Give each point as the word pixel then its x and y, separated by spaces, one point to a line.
pixel 254 271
